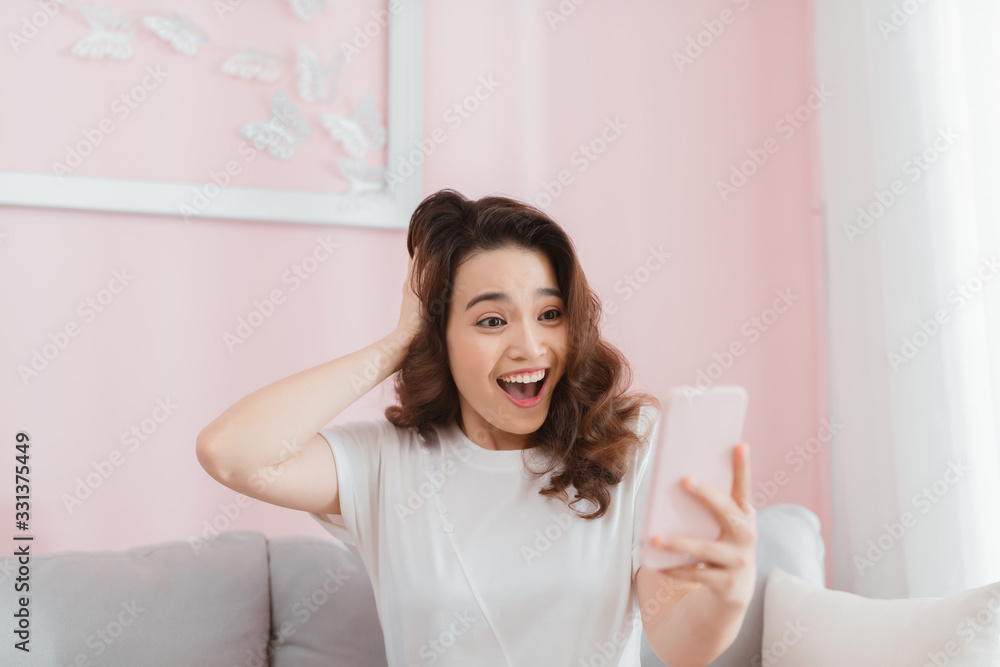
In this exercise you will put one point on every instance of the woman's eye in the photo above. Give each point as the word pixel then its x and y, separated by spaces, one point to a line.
pixel 549 316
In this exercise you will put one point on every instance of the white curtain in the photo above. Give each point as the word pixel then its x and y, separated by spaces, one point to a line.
pixel 911 136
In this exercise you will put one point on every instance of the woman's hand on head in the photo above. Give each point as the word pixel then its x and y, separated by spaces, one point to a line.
pixel 411 310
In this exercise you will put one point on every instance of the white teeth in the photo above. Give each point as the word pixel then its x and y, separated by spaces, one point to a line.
pixel 525 377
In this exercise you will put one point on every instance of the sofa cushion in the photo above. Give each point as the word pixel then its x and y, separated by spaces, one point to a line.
pixel 788 536
pixel 322 606
pixel 162 604
pixel 809 626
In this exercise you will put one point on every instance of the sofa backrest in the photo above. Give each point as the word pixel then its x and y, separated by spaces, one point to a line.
pixel 323 610
pixel 172 603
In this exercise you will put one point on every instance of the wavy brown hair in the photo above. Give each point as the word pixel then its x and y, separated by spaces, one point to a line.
pixel 586 433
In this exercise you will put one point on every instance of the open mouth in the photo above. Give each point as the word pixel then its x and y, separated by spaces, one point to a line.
pixel 522 391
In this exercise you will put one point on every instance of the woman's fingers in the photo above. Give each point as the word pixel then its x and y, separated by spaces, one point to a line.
pixel 741 477
pixel 722 506
pixel 712 552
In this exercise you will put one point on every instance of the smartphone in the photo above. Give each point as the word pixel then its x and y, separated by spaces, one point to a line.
pixel 697 432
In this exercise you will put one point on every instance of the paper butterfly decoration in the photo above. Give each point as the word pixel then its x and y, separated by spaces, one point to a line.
pixel 109 35
pixel 317 82
pixel 178 30
pixel 360 133
pixel 305 9
pixel 284 129
pixel 361 177
pixel 251 65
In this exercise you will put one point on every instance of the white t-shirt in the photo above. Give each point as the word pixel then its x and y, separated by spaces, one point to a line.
pixel 470 565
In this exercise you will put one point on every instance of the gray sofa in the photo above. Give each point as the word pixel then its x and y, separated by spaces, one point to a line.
pixel 243 600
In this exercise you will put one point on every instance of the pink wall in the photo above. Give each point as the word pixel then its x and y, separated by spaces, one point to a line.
pixel 655 185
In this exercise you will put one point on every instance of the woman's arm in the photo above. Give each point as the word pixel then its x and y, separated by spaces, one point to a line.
pixel 693 631
pixel 704 622
pixel 267 446
pixel 276 424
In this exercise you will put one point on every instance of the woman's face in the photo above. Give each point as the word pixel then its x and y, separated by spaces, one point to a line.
pixel 506 315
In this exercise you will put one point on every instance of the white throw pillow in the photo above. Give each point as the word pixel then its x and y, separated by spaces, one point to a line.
pixel 809 626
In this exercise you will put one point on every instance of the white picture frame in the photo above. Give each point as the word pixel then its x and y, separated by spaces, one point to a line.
pixel 390 207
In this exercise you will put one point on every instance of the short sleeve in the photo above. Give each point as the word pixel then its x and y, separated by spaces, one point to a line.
pixel 358 449
pixel 649 420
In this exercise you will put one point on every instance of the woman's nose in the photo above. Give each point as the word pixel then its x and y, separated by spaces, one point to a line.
pixel 529 342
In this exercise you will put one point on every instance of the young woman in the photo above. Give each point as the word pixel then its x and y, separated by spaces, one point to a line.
pixel 497 507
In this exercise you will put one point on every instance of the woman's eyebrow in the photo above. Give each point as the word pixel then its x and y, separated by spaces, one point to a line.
pixel 505 298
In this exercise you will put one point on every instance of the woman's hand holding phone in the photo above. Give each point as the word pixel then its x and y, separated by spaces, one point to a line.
pixel 727 566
